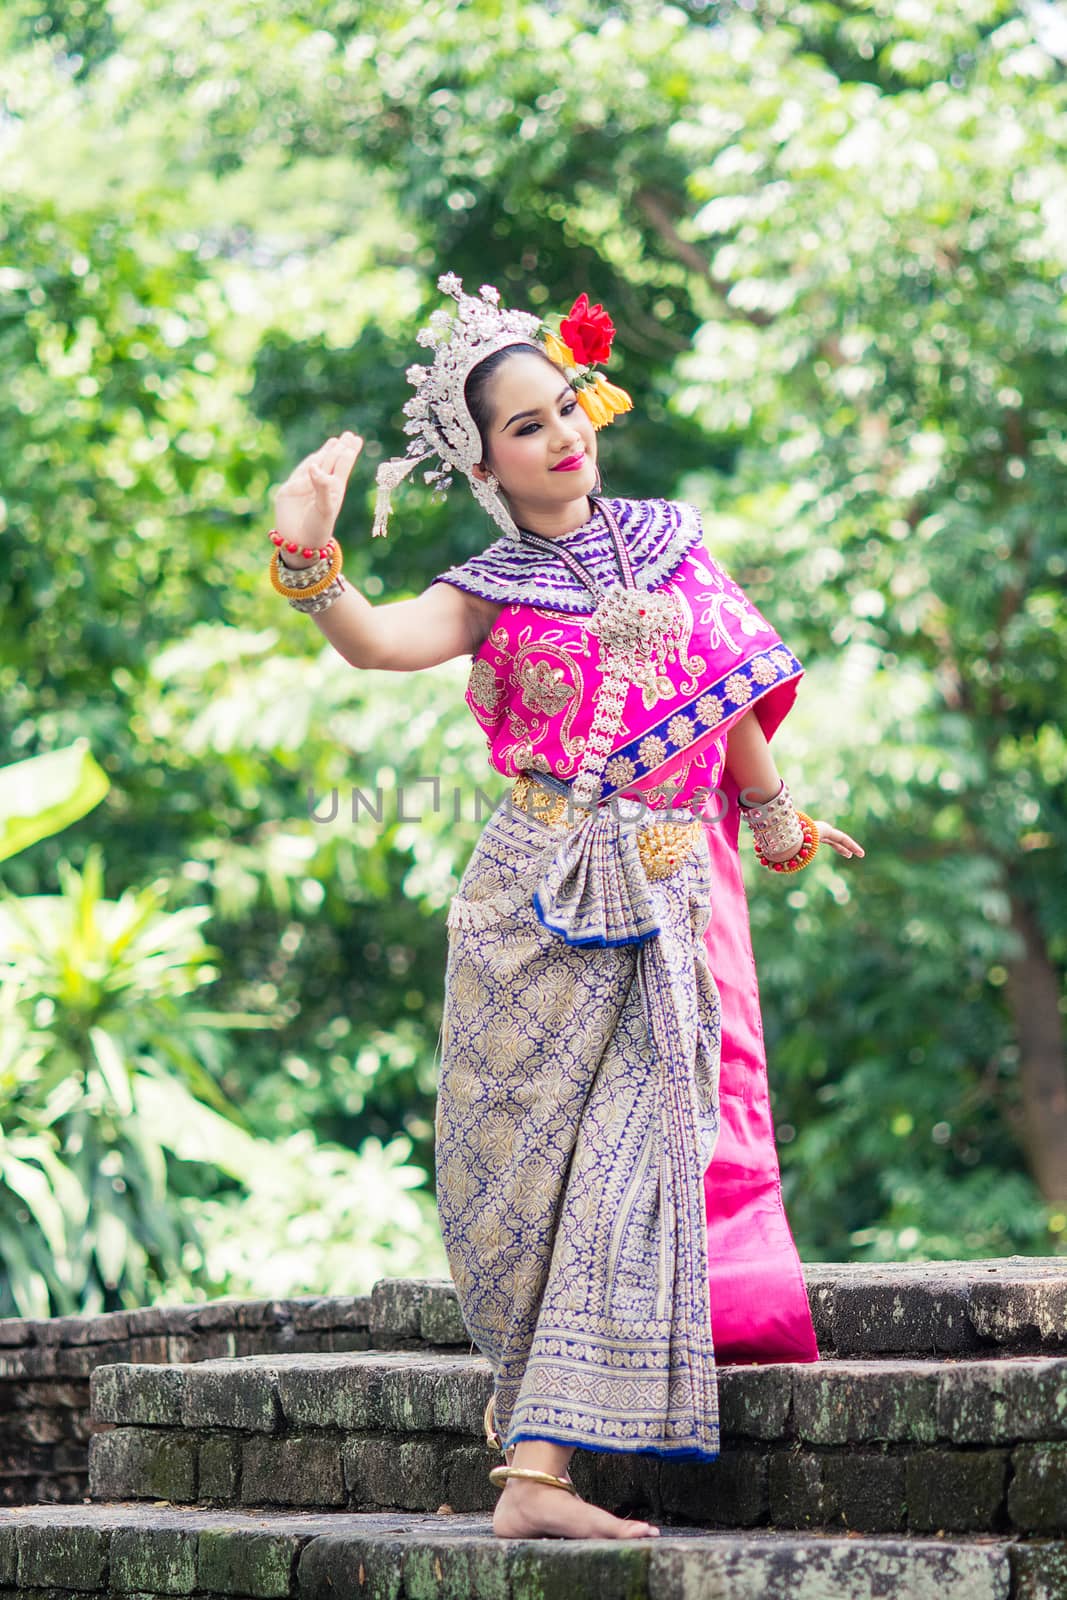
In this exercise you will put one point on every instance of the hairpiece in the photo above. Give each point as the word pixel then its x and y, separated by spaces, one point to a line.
pixel 439 420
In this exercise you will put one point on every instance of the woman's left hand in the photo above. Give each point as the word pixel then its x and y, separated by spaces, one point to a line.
pixel 842 842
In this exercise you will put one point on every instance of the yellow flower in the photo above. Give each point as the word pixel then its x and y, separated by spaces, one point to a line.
pixel 603 401
pixel 594 408
pixel 561 354
pixel 612 395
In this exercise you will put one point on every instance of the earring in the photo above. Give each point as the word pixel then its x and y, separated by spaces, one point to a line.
pixel 487 493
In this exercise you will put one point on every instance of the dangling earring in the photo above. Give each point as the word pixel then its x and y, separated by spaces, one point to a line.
pixel 598 487
pixel 487 493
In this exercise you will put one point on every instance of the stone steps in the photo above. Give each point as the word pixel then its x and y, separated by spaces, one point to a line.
pixel 1013 1306
pixel 290 1450
pixel 881 1446
pixel 137 1551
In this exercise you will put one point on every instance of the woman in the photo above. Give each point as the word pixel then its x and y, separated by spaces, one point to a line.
pixel 616 669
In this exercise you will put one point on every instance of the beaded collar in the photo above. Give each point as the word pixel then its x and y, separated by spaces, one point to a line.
pixel 658 534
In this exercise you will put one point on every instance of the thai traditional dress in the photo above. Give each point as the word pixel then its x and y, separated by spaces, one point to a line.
pixel 607 1182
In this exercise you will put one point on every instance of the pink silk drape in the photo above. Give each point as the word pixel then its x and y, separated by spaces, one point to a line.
pixel 759 1302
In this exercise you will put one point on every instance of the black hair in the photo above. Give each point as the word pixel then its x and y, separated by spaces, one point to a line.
pixel 477 384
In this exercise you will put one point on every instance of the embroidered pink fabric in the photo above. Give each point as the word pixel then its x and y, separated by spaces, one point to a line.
pixel 531 688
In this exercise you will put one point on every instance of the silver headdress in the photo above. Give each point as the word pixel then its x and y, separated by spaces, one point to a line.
pixel 439 420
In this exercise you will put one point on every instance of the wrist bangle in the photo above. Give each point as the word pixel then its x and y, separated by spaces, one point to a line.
pixel 306 591
pixel 774 822
pixel 776 826
pixel 326 598
pixel 804 856
pixel 303 577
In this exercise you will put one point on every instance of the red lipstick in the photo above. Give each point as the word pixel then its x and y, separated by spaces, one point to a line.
pixel 571 464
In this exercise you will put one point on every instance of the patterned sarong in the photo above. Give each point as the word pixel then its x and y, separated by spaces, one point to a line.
pixel 577 1113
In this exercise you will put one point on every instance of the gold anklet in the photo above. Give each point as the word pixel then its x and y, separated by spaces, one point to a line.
pixel 492 1437
pixel 499 1476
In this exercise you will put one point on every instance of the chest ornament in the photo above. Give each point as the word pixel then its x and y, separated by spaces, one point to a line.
pixel 644 630
pixel 638 629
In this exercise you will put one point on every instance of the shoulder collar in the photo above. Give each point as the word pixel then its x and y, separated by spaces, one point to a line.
pixel 658 535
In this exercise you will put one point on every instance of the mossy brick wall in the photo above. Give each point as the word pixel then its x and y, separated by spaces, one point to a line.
pixel 873 1446
pixel 45 1365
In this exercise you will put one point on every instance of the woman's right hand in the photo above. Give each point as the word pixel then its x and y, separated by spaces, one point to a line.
pixel 307 505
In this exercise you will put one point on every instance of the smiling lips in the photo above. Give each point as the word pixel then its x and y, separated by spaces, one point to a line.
pixel 571 464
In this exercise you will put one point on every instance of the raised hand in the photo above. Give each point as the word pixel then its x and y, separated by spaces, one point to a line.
pixel 307 505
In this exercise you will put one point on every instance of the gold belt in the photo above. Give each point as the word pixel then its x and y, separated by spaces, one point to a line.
pixel 662 846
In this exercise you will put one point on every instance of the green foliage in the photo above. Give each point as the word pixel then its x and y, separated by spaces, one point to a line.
pixel 831 239
pixel 93 1004
pixel 40 796
pixel 313 1218
pixel 124 1172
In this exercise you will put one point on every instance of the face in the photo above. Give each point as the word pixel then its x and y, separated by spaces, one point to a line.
pixel 537 424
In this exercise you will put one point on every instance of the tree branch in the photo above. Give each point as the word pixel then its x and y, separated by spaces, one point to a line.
pixel 654 209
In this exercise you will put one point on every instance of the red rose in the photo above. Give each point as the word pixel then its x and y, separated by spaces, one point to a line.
pixel 588 330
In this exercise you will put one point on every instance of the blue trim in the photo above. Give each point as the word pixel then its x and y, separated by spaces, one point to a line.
pixel 698 729
pixel 561 785
pixel 603 944
pixel 682 1453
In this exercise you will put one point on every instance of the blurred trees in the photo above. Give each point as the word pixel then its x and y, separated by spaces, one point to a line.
pixel 124 1169
pixel 831 238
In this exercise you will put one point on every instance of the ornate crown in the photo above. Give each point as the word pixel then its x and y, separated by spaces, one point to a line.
pixel 439 419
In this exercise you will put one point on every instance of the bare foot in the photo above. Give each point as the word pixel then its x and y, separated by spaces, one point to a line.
pixel 528 1510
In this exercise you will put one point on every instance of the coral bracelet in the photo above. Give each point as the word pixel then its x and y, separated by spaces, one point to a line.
pixel 806 853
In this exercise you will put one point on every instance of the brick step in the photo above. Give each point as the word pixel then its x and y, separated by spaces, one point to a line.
pixel 1017 1305
pixel 137 1550
pixel 877 1446
pixel 1013 1306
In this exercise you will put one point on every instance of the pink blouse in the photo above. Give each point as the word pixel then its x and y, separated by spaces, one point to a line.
pixel 532 683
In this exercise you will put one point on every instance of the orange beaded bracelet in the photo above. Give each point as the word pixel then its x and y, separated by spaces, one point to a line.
pixel 804 856
pixel 292 591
